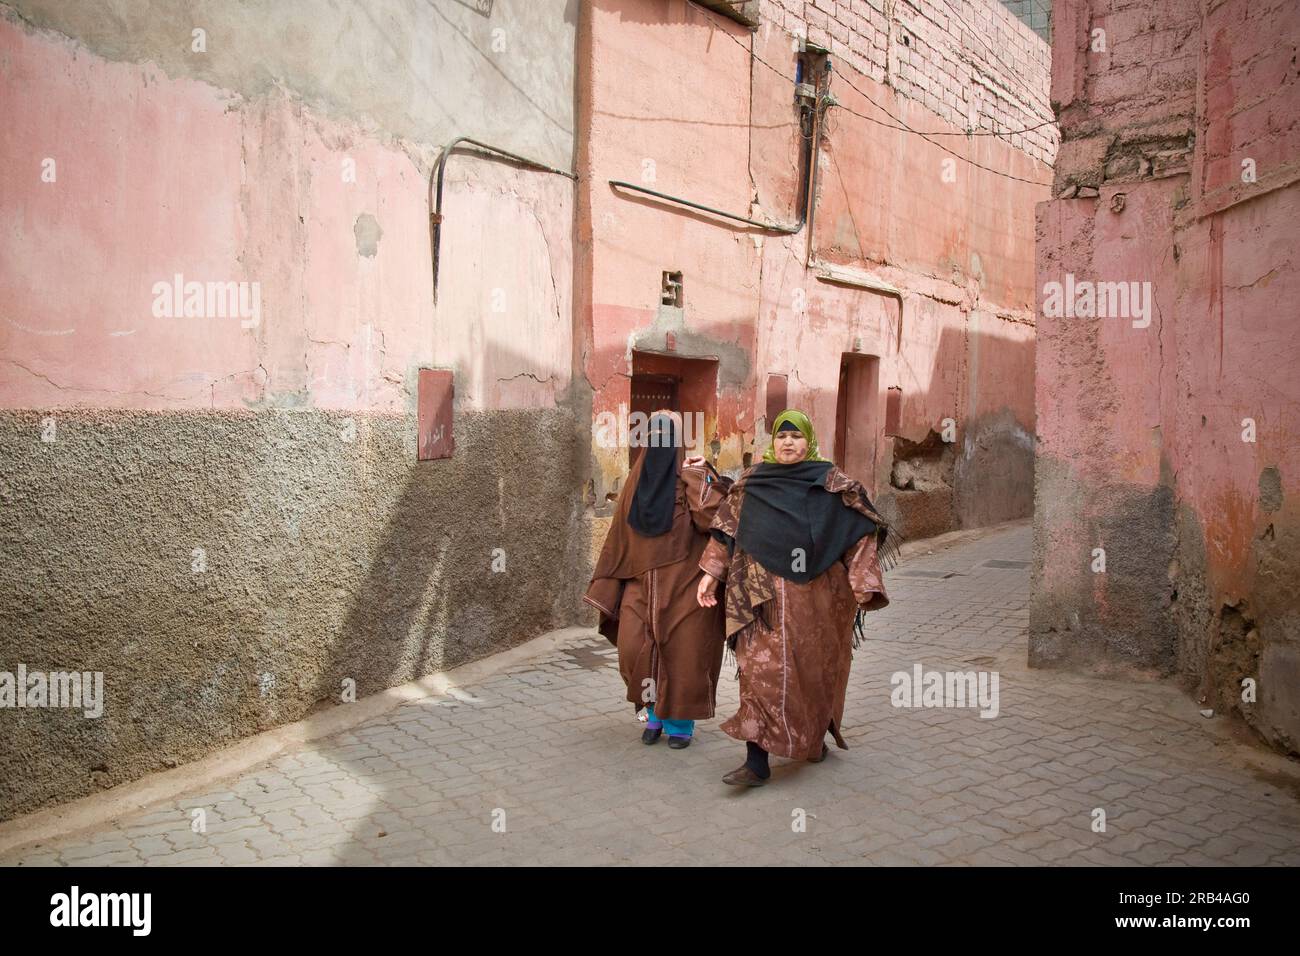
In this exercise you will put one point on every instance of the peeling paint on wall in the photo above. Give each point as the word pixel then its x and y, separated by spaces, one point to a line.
pixel 367 232
pixel 1174 446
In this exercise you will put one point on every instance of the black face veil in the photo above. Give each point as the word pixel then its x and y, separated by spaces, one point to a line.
pixel 655 498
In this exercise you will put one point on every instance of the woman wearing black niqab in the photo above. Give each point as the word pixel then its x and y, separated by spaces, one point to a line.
pixel 644 585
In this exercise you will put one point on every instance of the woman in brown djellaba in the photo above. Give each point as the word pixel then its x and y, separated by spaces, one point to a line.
pixel 799 546
pixel 644 586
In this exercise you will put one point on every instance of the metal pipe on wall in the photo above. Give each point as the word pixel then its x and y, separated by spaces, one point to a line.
pixel 807 195
pixel 823 100
pixel 769 227
pixel 435 189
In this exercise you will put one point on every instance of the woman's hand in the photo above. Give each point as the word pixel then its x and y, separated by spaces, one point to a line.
pixel 706 593
pixel 693 460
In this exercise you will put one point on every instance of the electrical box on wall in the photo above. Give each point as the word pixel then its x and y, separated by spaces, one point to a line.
pixel 435 392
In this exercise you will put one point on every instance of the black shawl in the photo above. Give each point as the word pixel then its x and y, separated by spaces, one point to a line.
pixel 792 525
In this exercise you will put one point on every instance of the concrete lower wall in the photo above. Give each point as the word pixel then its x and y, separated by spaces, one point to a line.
pixel 1170 447
pixel 1224 639
pixel 322 559
pixel 1112 621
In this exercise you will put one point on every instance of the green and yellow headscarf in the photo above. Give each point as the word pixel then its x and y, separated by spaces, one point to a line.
pixel 801 422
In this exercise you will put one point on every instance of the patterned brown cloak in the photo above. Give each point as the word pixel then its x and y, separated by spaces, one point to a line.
pixel 794 641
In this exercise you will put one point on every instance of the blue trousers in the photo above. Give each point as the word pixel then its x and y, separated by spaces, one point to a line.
pixel 674 728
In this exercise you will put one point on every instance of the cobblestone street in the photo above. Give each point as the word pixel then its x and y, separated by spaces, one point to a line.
pixel 550 753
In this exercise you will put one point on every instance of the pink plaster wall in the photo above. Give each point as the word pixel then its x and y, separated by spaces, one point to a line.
pixel 1157 133
pixel 721 131
pixel 691 128
pixel 159 176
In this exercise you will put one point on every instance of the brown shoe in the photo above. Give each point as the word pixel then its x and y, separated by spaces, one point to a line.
pixel 742 776
pixel 825 750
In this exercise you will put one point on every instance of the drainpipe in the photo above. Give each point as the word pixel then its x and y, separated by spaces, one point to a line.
pixel 824 100
pixel 435 189
pixel 826 271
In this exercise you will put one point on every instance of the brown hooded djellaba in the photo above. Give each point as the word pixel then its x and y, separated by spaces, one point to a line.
pixel 669 648
pixel 794 641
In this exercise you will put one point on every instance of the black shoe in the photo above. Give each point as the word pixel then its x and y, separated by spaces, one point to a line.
pixel 678 743
pixel 649 736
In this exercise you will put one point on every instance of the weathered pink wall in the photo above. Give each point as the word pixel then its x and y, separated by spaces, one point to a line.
pixel 193 507
pixel 1141 429
pixel 157 176
pixel 957 241
pixel 690 127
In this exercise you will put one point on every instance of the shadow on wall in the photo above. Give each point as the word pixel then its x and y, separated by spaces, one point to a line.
pixel 479 553
pixel 467 563
pixel 927 485
pixel 986 475
pixel 227 570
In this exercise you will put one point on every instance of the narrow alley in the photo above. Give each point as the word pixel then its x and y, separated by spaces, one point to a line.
pixel 541 763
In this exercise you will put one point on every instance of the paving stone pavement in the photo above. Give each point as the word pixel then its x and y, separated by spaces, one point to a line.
pixel 550 754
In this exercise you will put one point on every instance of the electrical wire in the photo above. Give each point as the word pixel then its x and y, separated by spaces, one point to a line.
pixel 907 129
pixel 903 127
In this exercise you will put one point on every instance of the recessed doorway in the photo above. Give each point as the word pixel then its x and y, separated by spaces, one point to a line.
pixel 857 417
